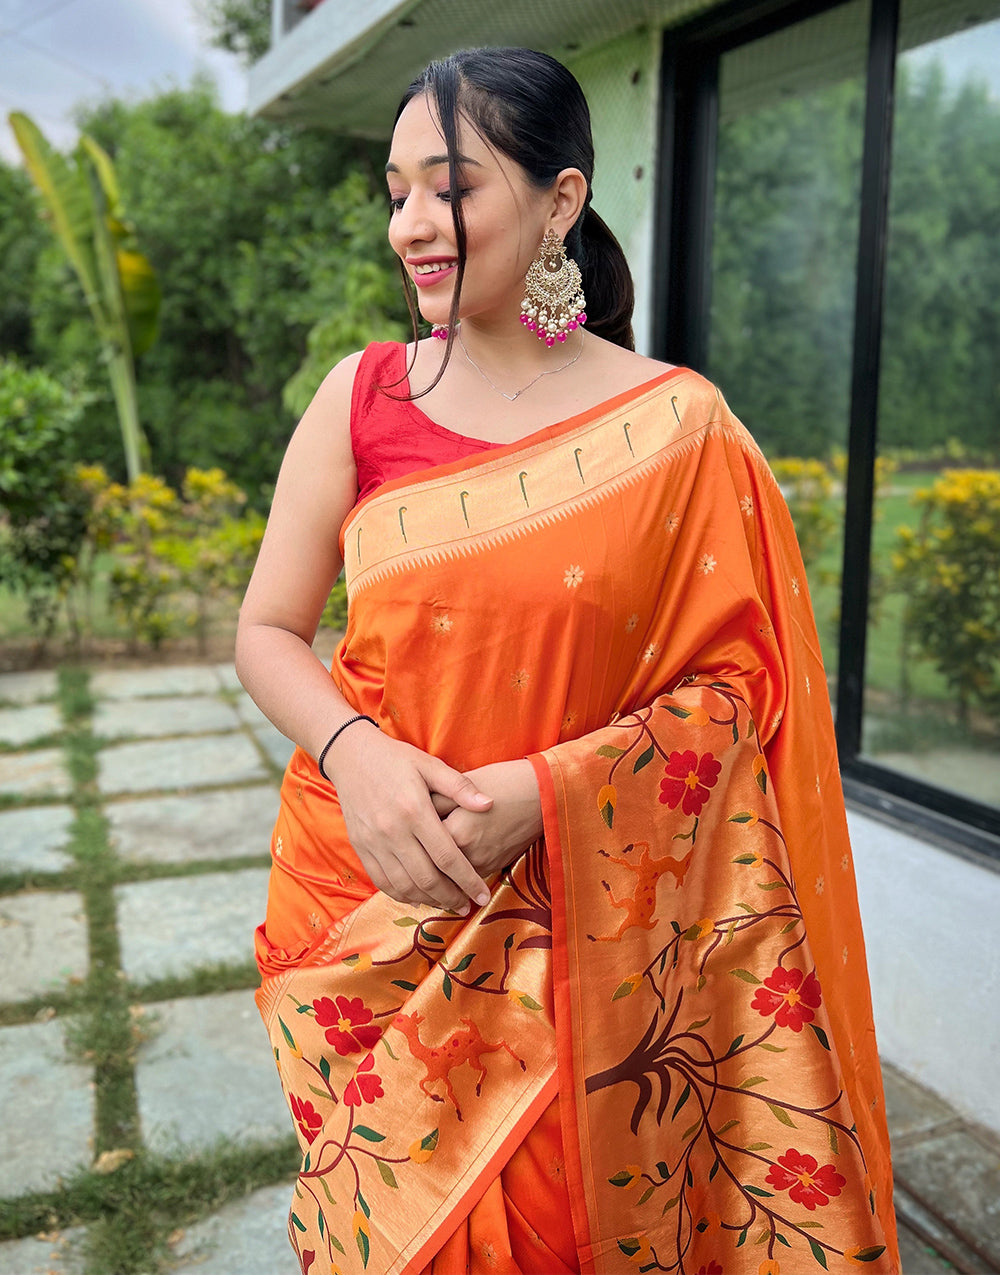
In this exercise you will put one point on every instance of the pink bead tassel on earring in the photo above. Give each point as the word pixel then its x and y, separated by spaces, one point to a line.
pixel 440 330
pixel 553 302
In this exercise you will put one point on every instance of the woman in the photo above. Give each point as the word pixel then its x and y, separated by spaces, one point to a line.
pixel 579 659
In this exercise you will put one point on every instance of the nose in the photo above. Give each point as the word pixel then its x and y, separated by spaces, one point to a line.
pixel 413 223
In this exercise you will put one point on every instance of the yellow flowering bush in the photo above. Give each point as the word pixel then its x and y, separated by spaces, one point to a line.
pixel 174 556
pixel 807 486
pixel 949 568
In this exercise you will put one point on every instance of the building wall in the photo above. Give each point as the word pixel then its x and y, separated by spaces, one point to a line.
pixel 931 922
pixel 620 80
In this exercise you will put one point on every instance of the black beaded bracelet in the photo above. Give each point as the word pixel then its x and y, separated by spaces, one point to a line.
pixel 360 717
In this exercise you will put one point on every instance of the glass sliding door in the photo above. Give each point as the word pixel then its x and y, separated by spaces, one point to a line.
pixel 932 681
pixel 783 266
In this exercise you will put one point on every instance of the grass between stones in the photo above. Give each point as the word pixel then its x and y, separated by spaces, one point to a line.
pixel 132 1211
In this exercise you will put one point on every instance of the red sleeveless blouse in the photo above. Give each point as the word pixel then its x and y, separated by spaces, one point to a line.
pixel 390 438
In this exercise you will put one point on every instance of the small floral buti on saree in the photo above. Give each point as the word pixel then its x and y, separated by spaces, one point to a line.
pixel 679 964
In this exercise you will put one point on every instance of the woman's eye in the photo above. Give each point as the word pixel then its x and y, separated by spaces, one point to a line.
pixel 446 194
pixel 396 204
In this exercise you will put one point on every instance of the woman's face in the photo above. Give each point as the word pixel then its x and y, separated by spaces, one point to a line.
pixel 505 218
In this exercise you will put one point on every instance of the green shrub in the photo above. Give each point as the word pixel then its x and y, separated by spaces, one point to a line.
pixel 42 510
pixel 949 568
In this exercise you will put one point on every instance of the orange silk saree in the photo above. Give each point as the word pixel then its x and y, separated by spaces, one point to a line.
pixel 653 1049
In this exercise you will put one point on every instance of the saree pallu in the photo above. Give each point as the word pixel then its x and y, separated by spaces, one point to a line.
pixel 679 962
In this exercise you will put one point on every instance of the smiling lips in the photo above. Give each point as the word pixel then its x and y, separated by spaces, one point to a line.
pixel 428 273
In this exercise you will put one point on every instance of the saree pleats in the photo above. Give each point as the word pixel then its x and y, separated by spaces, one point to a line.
pixel 619 598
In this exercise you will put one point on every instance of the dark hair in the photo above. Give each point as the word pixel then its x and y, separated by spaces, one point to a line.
pixel 531 108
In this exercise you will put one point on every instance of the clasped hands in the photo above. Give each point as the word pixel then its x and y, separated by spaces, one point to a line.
pixel 424 832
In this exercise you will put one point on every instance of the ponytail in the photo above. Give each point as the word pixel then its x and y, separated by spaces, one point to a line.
pixel 607 280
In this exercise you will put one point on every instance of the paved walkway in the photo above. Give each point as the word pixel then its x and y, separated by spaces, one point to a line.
pixel 173 819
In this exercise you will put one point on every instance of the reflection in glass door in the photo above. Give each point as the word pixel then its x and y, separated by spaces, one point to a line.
pixel 784 249
pixel 932 680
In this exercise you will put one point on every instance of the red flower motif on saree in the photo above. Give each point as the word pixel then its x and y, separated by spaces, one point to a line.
pixel 350 1023
pixel 364 1086
pixel 306 1117
pixel 789 996
pixel 806 1183
pixel 687 779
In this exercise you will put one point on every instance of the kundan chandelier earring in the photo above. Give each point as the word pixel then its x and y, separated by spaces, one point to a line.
pixel 553 302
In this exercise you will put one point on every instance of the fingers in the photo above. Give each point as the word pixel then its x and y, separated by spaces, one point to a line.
pixel 452 783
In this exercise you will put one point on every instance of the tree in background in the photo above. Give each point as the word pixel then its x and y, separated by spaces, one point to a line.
pixel 119 285
pixel 242 27
pixel 259 234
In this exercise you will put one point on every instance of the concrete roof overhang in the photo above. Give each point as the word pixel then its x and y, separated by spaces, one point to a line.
pixel 346 64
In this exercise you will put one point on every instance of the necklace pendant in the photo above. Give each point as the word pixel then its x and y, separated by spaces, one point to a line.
pixel 510 397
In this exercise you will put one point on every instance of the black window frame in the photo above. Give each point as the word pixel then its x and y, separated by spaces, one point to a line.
pixel 682 257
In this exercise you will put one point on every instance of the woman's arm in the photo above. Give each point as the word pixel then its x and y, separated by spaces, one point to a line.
pixel 384 785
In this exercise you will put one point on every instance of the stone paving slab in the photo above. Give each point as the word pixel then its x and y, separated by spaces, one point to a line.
pixel 25 688
pixel 918 1258
pixel 19 726
pixel 43 943
pixel 35 774
pixel 249 1236
pixel 277 746
pixel 184 715
pixel 48 1109
pixel 176 925
pixel 57 1254
pixel 227 677
pixel 32 840
pixel 959 1176
pixel 178 763
pixel 909 1108
pixel 192 679
pixel 209 825
pixel 208 1073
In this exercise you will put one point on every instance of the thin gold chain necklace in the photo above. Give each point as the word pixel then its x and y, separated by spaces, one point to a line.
pixel 517 393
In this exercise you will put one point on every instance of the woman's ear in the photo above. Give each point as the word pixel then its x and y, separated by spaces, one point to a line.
pixel 569 197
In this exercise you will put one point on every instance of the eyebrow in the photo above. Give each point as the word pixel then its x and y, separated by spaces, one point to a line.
pixel 432 161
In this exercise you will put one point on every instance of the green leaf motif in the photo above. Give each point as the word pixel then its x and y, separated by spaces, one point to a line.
pixel 746 976
pixel 608 815
pixel 645 1195
pixel 685 1094
pixel 369 1135
pixel 869 1254
pixel 621 1178
pixel 290 1039
pixel 430 937
pixel 817 1252
pixel 730 1124
pixel 756 1190
pixel 364 1247
pixel 324 1067
pixel 388 1177
pixel 406 921
pixel 820 1036
pixel 737 1041
pixel 663 1169
pixel 759 1146
pixel 404 984
pixel 781 1115
pixel 629 1247
pixel 644 759
pixel 610 751
pixel 464 963
pixel 364 1205
pixel 671 1203
pixel 677 710
pixel 337 1245
pixel 714 1169
pixel 753 1080
pixel 772 1049
pixel 446 986
pixel 770 885
pixel 699 1022
pixel 834 1143
pixel 429 1143
pixel 298 1223
pixel 483 978
pixel 743 1238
